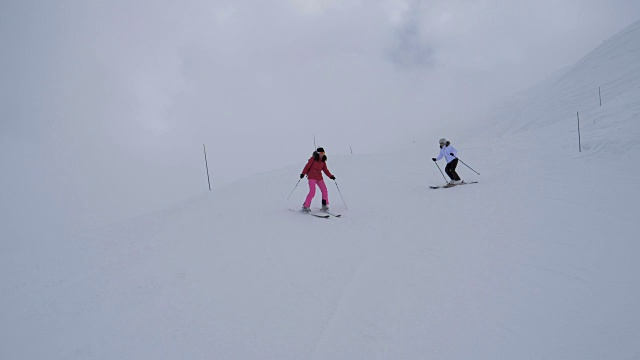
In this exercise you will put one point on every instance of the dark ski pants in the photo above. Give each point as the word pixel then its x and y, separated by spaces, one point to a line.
pixel 450 169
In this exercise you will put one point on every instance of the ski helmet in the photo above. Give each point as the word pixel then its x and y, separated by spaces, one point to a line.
pixel 442 141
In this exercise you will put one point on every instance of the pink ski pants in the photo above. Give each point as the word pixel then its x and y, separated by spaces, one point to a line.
pixel 312 191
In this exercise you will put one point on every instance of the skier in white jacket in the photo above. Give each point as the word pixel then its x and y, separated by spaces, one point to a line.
pixel 451 155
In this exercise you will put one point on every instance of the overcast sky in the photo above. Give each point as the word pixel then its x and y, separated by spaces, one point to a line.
pixel 105 105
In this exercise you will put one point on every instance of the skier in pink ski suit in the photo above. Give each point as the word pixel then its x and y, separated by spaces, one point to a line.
pixel 316 165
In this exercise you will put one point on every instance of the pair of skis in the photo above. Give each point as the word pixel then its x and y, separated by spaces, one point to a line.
pixel 321 214
pixel 451 185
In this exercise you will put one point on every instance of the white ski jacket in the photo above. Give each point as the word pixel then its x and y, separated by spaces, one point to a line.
pixel 445 151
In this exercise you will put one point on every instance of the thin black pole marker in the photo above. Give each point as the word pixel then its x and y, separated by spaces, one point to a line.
pixel 340 192
pixel 351 149
pixel 207 165
pixel 445 179
pixel 579 142
pixel 467 166
pixel 600 95
pixel 294 189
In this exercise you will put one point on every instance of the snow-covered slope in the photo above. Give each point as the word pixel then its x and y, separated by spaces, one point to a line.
pixel 602 86
pixel 536 261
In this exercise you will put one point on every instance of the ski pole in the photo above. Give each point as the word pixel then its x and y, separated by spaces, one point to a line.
pixel 467 166
pixel 339 192
pixel 445 179
pixel 294 189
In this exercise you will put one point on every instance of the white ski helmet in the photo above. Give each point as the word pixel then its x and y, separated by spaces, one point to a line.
pixel 442 141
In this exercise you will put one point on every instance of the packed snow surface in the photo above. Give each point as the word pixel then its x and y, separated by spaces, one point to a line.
pixel 539 260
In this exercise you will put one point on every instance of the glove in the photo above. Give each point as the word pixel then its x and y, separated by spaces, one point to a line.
pixel 434 159
pixel 333 177
pixel 451 154
pixel 301 176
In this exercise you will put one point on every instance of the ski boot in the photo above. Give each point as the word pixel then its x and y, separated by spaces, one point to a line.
pixel 325 208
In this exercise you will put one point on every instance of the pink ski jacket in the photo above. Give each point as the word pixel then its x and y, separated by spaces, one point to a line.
pixel 316 166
